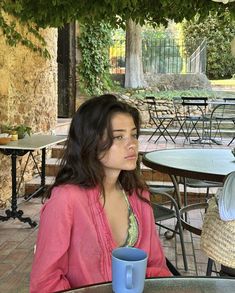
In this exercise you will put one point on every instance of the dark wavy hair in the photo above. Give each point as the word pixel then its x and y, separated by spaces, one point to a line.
pixel 80 164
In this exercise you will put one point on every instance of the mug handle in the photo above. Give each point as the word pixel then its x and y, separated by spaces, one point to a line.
pixel 129 277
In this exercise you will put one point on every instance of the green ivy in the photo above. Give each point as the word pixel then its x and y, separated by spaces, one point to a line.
pixel 94 42
pixel 13 36
pixel 56 13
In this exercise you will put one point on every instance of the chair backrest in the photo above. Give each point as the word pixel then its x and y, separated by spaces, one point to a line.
pixel 229 100
pixel 152 107
pixel 195 104
pixel 158 109
pixel 178 107
pixel 224 110
pixel 198 101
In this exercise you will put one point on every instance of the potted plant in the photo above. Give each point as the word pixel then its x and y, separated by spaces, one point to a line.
pixel 22 129
pixel 5 128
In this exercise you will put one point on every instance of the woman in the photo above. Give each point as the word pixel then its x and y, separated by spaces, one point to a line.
pixel 97 202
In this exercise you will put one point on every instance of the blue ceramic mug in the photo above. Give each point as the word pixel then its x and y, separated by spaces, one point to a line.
pixel 128 270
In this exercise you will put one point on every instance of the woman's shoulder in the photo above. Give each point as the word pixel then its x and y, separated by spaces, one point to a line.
pixel 137 200
pixel 144 193
pixel 67 188
pixel 72 193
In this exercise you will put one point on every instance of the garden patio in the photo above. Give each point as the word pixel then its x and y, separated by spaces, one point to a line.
pixel 17 239
pixel 34 90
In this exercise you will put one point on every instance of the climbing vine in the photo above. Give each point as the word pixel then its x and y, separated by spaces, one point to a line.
pixel 94 42
pixel 56 13
pixel 25 33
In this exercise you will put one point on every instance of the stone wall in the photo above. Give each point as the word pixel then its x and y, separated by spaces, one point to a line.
pixel 28 95
pixel 162 82
pixel 165 108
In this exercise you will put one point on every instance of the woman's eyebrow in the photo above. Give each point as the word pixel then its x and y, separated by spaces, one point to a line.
pixel 123 130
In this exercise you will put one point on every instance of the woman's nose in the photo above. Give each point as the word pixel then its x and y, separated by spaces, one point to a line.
pixel 132 143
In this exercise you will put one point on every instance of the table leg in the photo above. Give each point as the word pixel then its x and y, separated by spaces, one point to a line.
pixel 231 141
pixel 41 188
pixel 177 190
pixel 13 212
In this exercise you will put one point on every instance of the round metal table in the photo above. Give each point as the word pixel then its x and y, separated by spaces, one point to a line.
pixel 173 285
pixel 202 163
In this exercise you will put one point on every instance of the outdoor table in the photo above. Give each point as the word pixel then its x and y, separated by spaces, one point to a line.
pixel 224 106
pixel 173 285
pixel 20 148
pixel 202 163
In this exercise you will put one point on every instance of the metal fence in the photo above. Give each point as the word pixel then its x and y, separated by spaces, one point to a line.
pixel 163 56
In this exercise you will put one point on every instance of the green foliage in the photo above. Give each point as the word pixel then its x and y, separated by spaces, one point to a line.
pixel 168 95
pixel 94 42
pixel 219 30
pixel 24 35
pixel 21 129
pixel 56 13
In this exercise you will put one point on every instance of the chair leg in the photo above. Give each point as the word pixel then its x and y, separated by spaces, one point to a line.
pixel 153 134
pixel 183 246
pixel 163 130
pixel 209 267
pixel 231 141
pixel 207 193
pixel 178 225
pixel 171 268
pixel 185 197
pixel 181 129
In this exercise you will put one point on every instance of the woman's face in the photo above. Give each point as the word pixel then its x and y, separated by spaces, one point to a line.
pixel 123 153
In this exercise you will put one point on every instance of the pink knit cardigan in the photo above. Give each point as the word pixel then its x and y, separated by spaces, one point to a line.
pixel 74 242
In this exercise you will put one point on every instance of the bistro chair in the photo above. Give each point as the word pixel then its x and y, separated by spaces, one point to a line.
pixel 161 122
pixel 211 265
pixel 196 183
pixel 162 212
pixel 172 268
pixel 195 116
pixel 180 117
pixel 222 113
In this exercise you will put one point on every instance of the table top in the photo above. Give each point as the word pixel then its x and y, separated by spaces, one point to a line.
pixel 173 285
pixel 34 142
pixel 204 164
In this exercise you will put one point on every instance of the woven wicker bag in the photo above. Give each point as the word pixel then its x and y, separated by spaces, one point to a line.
pixel 218 237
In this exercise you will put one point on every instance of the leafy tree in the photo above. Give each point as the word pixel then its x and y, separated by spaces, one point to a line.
pixel 56 13
pixel 219 30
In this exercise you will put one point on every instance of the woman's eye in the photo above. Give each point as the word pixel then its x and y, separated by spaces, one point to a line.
pixel 119 137
pixel 135 135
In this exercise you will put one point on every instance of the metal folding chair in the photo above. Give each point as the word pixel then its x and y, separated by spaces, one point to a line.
pixel 162 212
pixel 180 117
pixel 161 122
pixel 195 115
pixel 223 112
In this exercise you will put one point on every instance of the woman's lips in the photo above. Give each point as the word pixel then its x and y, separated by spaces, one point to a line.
pixel 131 157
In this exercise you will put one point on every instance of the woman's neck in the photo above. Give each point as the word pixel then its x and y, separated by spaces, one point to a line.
pixel 111 184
